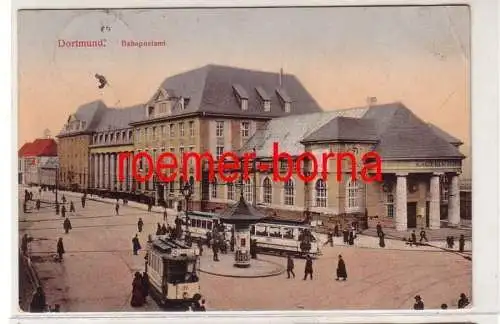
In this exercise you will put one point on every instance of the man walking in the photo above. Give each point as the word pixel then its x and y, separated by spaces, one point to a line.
pixel 379 229
pixel 423 236
pixel 136 246
pixel 67 225
pixel 308 268
pixel 330 238
pixel 140 223
pixel 341 269
pixel 60 249
pixel 117 208
pixel 461 243
pixel 290 266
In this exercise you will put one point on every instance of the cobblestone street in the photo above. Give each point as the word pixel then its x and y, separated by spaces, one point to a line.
pixel 96 274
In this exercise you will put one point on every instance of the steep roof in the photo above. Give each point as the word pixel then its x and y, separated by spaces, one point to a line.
pixel 212 89
pixel 24 149
pixel 40 147
pixel 241 212
pixel 90 113
pixel 402 135
pixel 119 118
pixel 345 129
pixel 289 131
pixel 447 137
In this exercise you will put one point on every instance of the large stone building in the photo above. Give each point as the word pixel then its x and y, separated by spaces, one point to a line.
pixel 420 165
pixel 211 109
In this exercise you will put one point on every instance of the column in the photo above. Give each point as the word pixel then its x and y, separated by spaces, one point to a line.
pixel 454 202
pixel 119 184
pixel 128 172
pixel 101 171
pixel 434 211
pixel 106 170
pixel 112 173
pixel 96 171
pixel 401 202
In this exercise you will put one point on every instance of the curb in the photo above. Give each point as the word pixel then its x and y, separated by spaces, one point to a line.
pixel 273 274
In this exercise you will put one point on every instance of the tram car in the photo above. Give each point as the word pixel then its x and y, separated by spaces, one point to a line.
pixel 172 268
pixel 280 237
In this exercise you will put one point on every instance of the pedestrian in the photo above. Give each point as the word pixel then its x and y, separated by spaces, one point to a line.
pixel 38 302
pixel 83 201
pixel 381 239
pixel 379 229
pixel 444 306
pixel 208 239
pixel 63 199
pixel 71 207
pixel 164 229
pixel 140 223
pixel 215 250
pixel 165 215
pixel 419 304
pixel 202 306
pixel 345 234
pixel 232 242
pixel 463 301
pixel 158 229
pixel 63 211
pixel 330 238
pixel 24 244
pixel 423 236
pixel 145 284
pixel 452 242
pixel 137 291
pixel 117 208
pixel 336 230
pixel 461 243
pixel 200 246
pixel 38 204
pixel 308 270
pixel 341 269
pixel 136 246
pixel 351 237
pixel 413 240
pixel 149 205
pixel 67 225
pixel 60 249
pixel 290 266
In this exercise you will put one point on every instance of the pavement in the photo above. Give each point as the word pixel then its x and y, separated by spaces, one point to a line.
pixel 97 271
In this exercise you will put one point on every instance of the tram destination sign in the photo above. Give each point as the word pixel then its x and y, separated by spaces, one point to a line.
pixel 438 164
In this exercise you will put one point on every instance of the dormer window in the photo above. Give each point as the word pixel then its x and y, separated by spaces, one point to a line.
pixel 151 111
pixel 285 100
pixel 265 99
pixel 241 96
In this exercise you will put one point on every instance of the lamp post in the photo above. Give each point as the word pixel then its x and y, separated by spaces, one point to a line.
pixel 187 191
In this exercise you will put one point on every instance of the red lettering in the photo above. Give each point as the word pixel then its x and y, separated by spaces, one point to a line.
pixel 247 157
pixel 198 157
pixel 341 155
pixel 122 156
pixel 276 158
pixel 324 171
pixel 161 166
pixel 377 164
pixel 135 160
pixel 306 157
pixel 229 165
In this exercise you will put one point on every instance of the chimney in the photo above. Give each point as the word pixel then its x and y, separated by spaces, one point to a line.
pixel 281 77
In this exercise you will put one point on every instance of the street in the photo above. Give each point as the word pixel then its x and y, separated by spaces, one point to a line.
pixel 97 271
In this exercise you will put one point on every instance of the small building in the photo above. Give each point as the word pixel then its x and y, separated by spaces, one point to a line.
pixel 32 159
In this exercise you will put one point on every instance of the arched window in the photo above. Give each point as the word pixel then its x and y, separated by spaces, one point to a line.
pixel 289 193
pixel 353 190
pixel 214 188
pixel 247 191
pixel 267 195
pixel 321 197
pixel 230 191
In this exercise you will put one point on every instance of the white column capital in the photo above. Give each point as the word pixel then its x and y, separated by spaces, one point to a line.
pixel 437 174
pixel 401 174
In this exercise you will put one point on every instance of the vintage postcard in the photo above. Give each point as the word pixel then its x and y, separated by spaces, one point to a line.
pixel 244 159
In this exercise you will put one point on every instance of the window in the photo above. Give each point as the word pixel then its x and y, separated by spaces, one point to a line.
pixel 163 107
pixel 230 191
pixel 118 137
pixel 129 135
pixel 353 195
pixel 247 191
pixel 321 196
pixel 172 130
pixel 289 193
pixel 154 133
pixel 268 191
pixel 389 204
pixel 245 129
pixel 219 151
pixel 163 130
pixel 106 138
pixel 181 153
pixel 219 130
pixel 181 129
pixel 214 188
pixel 284 165
pixel 191 129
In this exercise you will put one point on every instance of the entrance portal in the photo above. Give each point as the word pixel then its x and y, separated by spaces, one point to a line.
pixel 411 212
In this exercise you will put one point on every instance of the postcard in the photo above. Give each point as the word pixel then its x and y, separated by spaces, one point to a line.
pixel 244 159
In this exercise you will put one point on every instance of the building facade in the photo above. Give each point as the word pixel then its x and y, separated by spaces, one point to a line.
pixel 33 158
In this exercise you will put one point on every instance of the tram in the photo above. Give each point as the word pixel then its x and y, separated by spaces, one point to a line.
pixel 172 268
pixel 281 237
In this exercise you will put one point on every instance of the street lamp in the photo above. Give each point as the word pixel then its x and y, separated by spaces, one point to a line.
pixel 187 191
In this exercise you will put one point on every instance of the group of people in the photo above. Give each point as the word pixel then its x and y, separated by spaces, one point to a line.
pixel 450 243
pixel 463 302
pixel 140 289
pixel 308 269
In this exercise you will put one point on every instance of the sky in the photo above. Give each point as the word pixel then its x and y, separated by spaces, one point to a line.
pixel 342 55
